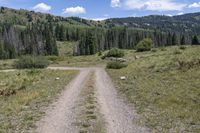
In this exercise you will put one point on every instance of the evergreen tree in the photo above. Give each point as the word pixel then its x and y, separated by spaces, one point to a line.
pixel 174 39
pixel 183 40
pixel 195 40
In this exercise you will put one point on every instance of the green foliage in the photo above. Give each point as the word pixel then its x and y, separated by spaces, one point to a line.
pixel 164 88
pixel 195 40
pixel 144 45
pixel 27 92
pixel 177 51
pixel 115 65
pixel 183 47
pixel 183 42
pixel 115 52
pixel 154 50
pixel 31 62
pixel 174 39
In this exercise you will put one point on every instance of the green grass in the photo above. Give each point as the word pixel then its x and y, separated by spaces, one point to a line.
pixel 78 61
pixel 166 96
pixel 6 64
pixel 65 48
pixel 33 91
pixel 89 119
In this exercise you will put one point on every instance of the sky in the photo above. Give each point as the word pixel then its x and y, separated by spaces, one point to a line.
pixel 103 9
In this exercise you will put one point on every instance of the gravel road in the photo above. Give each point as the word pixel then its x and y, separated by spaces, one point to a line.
pixel 61 115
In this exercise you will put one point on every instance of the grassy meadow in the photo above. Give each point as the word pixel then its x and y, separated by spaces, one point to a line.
pixel 25 93
pixel 164 86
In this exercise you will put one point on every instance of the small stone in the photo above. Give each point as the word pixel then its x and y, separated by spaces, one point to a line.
pixel 123 78
pixel 57 78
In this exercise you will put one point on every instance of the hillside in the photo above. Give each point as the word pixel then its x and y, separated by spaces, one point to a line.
pixel 187 23
pixel 29 32
pixel 23 17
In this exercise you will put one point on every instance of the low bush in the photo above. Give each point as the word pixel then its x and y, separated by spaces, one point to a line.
pixel 182 47
pixel 144 45
pixel 116 65
pixel 163 49
pixel 154 50
pixel 115 52
pixel 177 51
pixel 31 62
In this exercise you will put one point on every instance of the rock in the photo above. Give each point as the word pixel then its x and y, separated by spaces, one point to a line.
pixel 121 59
pixel 115 59
pixel 137 57
pixel 123 78
pixel 57 78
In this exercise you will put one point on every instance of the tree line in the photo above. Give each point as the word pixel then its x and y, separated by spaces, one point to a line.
pixel 34 39
pixel 92 39
pixel 40 38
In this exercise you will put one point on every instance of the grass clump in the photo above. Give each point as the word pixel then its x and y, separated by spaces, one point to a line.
pixel 182 47
pixel 144 45
pixel 25 94
pixel 31 62
pixel 177 51
pixel 115 65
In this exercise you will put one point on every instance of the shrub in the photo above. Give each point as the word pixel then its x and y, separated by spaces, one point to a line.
pixel 115 52
pixel 163 49
pixel 100 53
pixel 31 62
pixel 177 51
pixel 182 47
pixel 144 45
pixel 115 65
pixel 154 50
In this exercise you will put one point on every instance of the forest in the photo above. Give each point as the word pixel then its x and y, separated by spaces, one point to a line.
pixel 26 32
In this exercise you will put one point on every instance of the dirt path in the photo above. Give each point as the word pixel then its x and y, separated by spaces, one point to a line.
pixel 62 114
pixel 119 116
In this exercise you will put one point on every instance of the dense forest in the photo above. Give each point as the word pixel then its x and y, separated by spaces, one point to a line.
pixel 26 32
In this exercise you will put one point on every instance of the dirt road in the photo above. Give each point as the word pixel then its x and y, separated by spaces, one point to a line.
pixel 61 115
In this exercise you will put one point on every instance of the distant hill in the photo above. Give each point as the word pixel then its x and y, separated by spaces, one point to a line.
pixel 28 32
pixel 189 23
pixel 22 17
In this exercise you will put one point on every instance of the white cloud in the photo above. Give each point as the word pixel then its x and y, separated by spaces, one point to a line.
pixel 115 3
pixel 194 5
pixel 153 5
pixel 42 7
pixel 74 10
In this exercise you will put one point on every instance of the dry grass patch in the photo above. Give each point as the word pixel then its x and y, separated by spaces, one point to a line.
pixel 33 90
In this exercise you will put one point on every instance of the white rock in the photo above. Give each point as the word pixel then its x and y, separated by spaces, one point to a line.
pixel 57 78
pixel 123 78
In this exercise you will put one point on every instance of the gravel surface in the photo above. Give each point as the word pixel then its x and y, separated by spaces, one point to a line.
pixel 119 116
pixel 61 115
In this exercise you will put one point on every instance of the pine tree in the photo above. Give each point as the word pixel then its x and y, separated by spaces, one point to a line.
pixel 195 40
pixel 183 40
pixel 174 39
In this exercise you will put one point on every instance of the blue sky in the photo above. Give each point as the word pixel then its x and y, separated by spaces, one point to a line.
pixel 101 9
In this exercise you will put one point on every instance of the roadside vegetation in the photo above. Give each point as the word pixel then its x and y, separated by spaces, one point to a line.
pixel 24 94
pixel 164 87
pixel 116 65
pixel 115 52
pixel 89 118
pixel 7 64
pixel 30 61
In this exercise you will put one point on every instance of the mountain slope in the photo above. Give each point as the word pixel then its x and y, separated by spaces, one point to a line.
pixel 182 23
